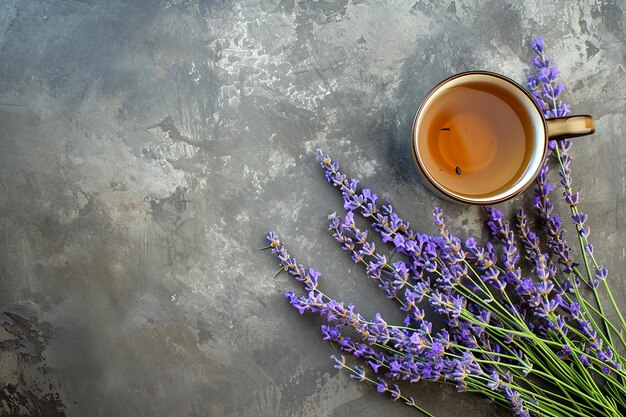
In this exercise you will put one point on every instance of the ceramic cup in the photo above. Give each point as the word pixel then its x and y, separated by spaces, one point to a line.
pixel 520 162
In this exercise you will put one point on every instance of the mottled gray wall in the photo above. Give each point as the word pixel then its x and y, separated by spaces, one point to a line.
pixel 147 146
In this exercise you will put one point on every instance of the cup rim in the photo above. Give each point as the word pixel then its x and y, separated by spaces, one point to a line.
pixel 483 200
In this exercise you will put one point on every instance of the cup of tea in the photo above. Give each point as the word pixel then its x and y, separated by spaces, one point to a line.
pixel 480 138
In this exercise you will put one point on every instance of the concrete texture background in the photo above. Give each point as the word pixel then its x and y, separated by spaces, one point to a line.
pixel 146 147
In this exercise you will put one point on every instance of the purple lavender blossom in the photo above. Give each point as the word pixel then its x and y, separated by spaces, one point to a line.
pixel 330 333
pixel 381 386
pixel 538 45
pixel 359 373
pixel 395 392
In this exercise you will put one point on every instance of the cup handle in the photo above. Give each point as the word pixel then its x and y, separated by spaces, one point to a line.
pixel 570 126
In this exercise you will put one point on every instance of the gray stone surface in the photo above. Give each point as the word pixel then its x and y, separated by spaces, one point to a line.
pixel 146 147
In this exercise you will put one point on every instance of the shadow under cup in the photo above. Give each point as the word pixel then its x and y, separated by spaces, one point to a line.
pixel 479 138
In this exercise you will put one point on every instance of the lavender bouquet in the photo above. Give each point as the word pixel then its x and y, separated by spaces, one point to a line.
pixel 529 340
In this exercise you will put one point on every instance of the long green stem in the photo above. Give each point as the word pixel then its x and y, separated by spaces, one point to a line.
pixel 559 367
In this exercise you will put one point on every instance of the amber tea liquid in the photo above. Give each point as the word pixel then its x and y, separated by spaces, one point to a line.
pixel 476 138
